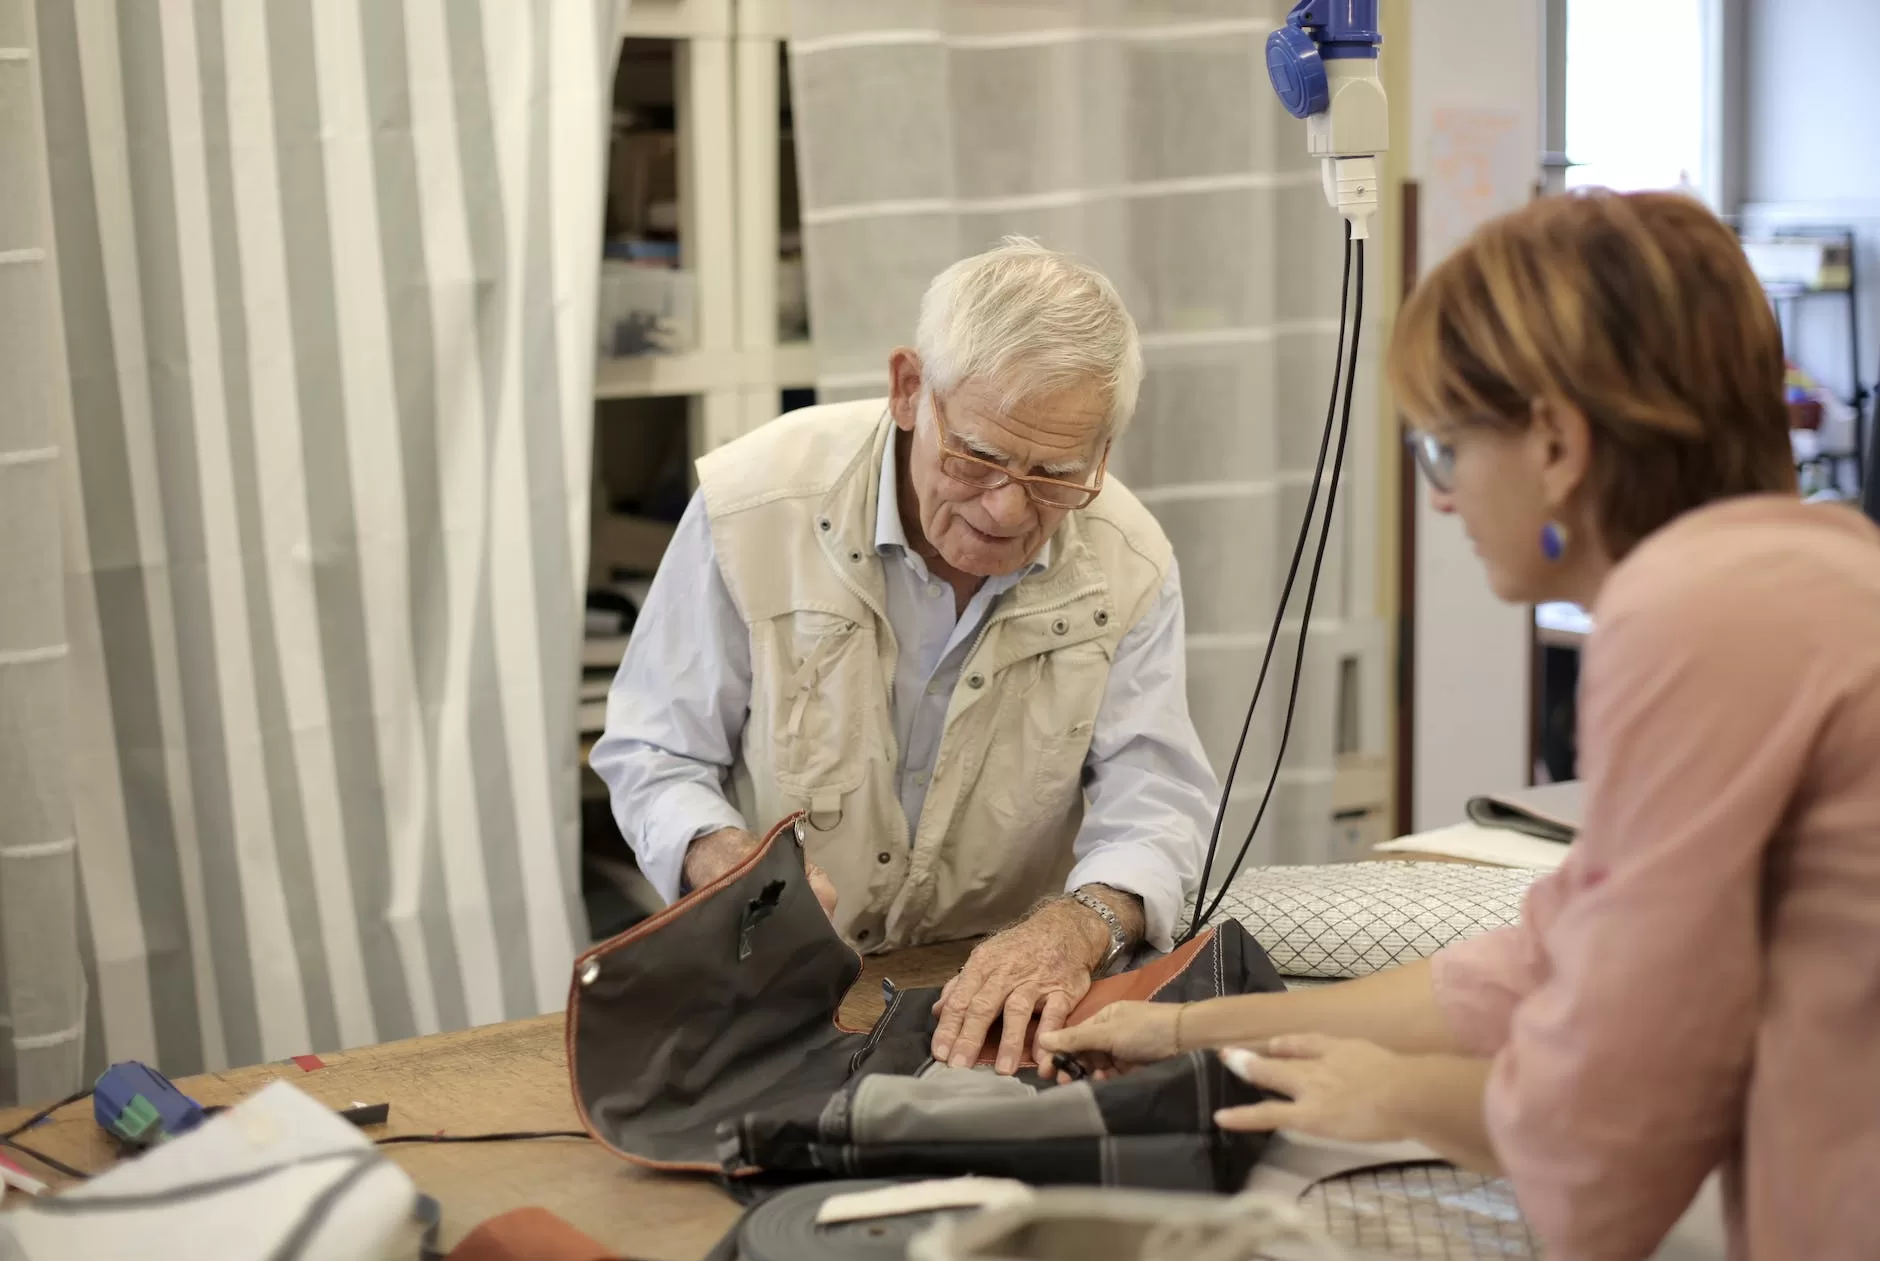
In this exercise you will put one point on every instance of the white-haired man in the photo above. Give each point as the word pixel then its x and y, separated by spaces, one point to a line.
pixel 931 624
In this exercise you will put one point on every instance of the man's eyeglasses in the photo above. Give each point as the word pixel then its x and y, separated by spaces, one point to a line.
pixel 1435 457
pixel 981 474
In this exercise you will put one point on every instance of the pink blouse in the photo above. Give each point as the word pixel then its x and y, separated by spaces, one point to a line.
pixel 1699 985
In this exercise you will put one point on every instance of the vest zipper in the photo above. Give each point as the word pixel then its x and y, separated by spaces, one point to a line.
pixel 1004 615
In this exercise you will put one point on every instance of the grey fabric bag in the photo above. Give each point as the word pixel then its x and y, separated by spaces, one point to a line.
pixel 706 1039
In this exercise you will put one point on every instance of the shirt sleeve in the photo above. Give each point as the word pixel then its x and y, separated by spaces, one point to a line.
pixel 1621 1081
pixel 1480 982
pixel 1150 792
pixel 676 711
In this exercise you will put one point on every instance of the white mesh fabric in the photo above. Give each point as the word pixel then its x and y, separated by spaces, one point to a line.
pixel 1351 919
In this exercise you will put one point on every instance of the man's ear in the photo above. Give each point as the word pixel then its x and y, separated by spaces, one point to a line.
pixel 1562 443
pixel 904 382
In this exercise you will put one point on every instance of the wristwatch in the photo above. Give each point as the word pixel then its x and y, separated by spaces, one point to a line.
pixel 1119 940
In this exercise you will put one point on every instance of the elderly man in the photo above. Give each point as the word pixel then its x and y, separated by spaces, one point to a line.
pixel 930 623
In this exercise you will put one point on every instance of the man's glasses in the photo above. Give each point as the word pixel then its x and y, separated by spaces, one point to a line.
pixel 1435 457
pixel 980 474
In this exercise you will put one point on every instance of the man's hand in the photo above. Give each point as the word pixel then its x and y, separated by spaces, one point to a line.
pixel 1120 1037
pixel 1042 963
pixel 712 855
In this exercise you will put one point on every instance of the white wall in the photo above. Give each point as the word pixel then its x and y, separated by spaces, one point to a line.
pixel 1472 651
pixel 1811 152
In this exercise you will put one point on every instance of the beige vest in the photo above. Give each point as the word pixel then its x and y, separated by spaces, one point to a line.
pixel 792 508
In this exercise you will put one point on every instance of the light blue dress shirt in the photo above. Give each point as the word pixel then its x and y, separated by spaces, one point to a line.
pixel 676 712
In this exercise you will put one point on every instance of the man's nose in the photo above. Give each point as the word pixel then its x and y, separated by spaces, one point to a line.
pixel 1008 506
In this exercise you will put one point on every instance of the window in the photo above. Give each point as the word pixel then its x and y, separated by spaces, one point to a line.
pixel 1635 93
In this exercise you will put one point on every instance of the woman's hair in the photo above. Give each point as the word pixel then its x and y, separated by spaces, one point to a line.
pixel 1030 321
pixel 1638 309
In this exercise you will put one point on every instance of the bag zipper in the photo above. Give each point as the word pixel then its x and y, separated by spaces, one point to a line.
pixel 874 1036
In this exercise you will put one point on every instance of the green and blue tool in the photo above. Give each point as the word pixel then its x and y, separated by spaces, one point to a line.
pixel 139 1107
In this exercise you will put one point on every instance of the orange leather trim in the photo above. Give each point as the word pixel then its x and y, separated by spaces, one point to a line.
pixel 1140 985
pixel 529 1234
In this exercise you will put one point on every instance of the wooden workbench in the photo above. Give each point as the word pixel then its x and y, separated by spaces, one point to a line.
pixel 498 1078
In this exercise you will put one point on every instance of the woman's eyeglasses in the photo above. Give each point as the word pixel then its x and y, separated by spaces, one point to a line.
pixel 1435 457
pixel 980 474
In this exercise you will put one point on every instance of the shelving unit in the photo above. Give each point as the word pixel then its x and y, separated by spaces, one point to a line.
pixel 1787 295
pixel 728 56
pixel 725 108
pixel 784 367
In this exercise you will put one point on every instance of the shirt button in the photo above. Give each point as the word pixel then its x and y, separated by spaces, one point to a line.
pixel 921 777
pixel 933 588
pixel 933 689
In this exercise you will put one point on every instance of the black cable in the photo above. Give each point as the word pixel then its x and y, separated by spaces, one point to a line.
pixel 1312 587
pixel 45 1112
pixel 514 1136
pixel 57 1166
pixel 1285 598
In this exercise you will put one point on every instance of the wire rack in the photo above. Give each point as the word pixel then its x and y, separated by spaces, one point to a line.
pixel 1427 1212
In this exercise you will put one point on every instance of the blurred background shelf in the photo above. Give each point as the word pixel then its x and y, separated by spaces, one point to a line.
pixel 784 367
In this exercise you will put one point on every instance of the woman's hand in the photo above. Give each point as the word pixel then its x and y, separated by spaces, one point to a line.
pixel 1120 1037
pixel 1338 1088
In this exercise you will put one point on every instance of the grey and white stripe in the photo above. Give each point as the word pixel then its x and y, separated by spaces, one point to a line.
pixel 289 629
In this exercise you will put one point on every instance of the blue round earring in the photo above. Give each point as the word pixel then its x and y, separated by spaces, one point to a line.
pixel 1553 540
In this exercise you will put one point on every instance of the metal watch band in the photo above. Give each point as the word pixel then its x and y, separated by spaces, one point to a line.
pixel 1119 940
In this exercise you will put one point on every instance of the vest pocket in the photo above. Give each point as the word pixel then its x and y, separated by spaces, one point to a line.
pixel 809 673
pixel 1036 758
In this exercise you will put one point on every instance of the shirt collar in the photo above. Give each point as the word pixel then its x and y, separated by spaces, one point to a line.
pixel 889 533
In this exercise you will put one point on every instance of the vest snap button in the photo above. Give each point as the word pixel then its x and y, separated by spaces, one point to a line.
pixel 975 680
pixel 884 858
pixel 590 972
pixel 1103 617
pixel 855 558
pixel 861 934
pixel 1060 627
pixel 823 525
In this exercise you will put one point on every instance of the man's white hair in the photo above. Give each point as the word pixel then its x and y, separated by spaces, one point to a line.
pixel 1031 322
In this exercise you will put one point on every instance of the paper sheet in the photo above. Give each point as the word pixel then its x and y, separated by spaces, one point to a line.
pixel 922 1197
pixel 1497 847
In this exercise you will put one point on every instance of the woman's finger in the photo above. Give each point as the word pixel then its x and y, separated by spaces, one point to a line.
pixel 1279 1076
pixel 1270 1115
pixel 1057 1009
pixel 1095 1034
pixel 1299 1046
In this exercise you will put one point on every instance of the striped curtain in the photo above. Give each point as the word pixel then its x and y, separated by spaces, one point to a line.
pixel 1141 135
pixel 294 522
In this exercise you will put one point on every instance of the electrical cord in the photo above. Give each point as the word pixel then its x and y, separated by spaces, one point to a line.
pixel 1292 573
pixel 10 1137
pixel 1312 588
pixel 57 1166
pixel 45 1112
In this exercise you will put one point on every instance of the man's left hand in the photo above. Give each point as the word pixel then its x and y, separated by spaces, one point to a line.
pixel 1040 964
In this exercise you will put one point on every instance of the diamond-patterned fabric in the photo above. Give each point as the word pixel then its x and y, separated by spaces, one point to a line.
pixel 1425 1212
pixel 1350 919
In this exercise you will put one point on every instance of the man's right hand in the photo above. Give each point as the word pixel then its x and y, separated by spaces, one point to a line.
pixel 1120 1037
pixel 710 856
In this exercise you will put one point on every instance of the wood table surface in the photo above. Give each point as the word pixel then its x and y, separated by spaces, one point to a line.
pixel 497 1078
